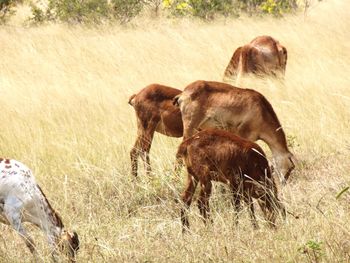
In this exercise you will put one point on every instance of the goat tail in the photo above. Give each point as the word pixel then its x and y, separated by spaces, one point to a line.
pixel 131 99
pixel 182 150
pixel 176 99
pixel 180 156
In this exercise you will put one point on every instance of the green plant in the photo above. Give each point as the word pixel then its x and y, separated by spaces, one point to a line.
pixel 154 5
pixel 278 7
pixel 313 250
pixel 126 10
pixel 82 11
pixel 272 7
pixel 75 11
pixel 204 9
pixel 207 9
pixel 38 15
pixel 6 10
pixel 89 11
pixel 292 141
pixel 177 7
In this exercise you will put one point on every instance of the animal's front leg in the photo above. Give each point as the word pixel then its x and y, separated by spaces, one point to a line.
pixel 53 246
pixel 12 211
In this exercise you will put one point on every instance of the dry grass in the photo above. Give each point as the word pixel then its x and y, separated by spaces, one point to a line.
pixel 64 113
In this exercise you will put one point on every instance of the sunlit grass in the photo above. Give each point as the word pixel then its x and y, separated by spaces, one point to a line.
pixel 64 113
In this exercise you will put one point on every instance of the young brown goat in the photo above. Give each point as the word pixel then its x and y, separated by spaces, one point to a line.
pixel 155 112
pixel 217 155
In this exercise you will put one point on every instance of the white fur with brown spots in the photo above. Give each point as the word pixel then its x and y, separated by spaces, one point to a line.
pixel 22 200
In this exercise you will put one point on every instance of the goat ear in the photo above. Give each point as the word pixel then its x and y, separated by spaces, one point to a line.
pixel 131 99
pixel 293 160
pixel 176 100
pixel 75 241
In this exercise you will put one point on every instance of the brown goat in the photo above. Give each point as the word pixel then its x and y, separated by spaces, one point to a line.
pixel 155 112
pixel 245 112
pixel 217 155
pixel 264 55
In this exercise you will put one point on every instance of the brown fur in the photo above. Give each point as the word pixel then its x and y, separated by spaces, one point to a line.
pixel 233 64
pixel 217 155
pixel 70 244
pixel 264 55
pixel 155 112
pixel 245 112
pixel 56 218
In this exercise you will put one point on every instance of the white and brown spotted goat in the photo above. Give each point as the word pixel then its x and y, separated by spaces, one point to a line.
pixel 22 200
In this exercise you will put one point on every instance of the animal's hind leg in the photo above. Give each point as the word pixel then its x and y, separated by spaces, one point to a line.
pixel 236 202
pixel 178 165
pixel 146 143
pixel 250 204
pixel 12 212
pixel 187 196
pixel 203 201
pixel 134 154
pixel 142 145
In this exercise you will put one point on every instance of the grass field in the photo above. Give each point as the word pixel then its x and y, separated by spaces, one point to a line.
pixel 64 113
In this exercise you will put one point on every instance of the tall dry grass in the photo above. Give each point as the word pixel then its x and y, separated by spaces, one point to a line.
pixel 64 113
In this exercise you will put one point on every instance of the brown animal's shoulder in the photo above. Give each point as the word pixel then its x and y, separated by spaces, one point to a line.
pixel 212 135
pixel 226 140
pixel 209 85
pixel 210 93
pixel 200 86
pixel 212 87
pixel 228 135
pixel 252 93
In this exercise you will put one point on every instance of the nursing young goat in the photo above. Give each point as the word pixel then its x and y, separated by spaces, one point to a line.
pixel 217 155
pixel 22 200
pixel 155 112
pixel 245 112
